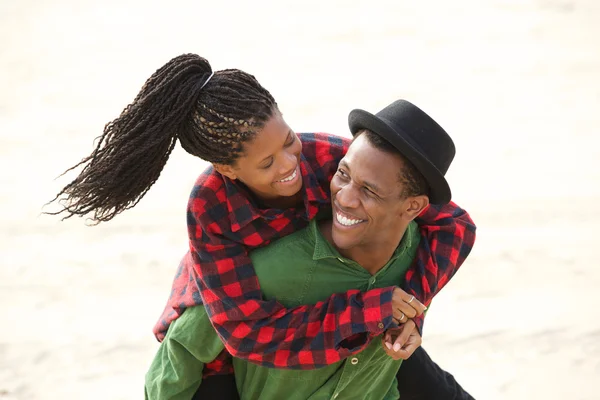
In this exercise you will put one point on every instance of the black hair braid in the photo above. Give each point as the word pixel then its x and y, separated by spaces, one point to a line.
pixel 231 109
pixel 212 122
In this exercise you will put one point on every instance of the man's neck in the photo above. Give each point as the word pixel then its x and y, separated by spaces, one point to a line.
pixel 373 258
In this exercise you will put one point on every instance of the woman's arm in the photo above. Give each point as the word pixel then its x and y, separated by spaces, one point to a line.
pixel 447 237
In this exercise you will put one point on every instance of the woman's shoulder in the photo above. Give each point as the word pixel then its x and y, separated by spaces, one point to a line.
pixel 323 151
pixel 208 197
pixel 210 182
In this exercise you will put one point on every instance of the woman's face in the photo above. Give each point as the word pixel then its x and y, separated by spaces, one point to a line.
pixel 270 165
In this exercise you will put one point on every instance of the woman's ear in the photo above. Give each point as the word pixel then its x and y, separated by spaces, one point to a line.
pixel 226 170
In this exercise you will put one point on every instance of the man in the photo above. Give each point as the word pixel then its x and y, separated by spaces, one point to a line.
pixel 393 169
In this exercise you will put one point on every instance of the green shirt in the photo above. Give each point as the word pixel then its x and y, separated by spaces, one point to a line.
pixel 302 268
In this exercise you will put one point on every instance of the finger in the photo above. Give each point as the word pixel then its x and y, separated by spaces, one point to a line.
pixel 413 343
pixel 403 308
pixel 410 300
pixel 406 352
pixel 387 340
pixel 400 304
pixel 401 317
pixel 391 353
pixel 415 304
pixel 391 334
pixel 402 338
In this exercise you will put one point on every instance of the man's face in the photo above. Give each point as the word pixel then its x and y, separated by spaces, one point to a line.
pixel 366 195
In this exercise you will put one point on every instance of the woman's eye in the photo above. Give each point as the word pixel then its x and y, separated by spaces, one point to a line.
pixel 268 165
pixel 291 141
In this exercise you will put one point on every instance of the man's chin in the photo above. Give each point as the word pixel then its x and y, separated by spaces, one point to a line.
pixel 342 241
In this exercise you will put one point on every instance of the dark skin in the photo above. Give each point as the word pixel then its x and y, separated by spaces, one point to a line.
pixel 370 217
pixel 270 165
pixel 274 154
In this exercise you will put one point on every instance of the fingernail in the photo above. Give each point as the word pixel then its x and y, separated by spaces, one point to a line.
pixel 397 346
pixel 388 345
pixel 425 308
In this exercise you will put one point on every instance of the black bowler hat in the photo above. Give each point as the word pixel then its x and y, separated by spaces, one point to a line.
pixel 417 137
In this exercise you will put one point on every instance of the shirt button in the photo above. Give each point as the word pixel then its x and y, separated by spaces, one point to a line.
pixel 354 361
pixel 373 281
pixel 380 325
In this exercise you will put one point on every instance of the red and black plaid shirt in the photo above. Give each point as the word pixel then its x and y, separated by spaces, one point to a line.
pixel 224 224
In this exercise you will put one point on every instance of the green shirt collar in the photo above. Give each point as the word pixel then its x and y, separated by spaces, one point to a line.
pixel 323 249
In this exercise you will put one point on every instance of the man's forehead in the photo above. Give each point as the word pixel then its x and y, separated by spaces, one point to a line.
pixel 374 167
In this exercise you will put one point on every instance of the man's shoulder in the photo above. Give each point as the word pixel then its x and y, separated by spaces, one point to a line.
pixel 189 321
pixel 191 324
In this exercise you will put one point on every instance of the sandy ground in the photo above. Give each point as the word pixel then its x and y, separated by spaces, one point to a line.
pixel 516 83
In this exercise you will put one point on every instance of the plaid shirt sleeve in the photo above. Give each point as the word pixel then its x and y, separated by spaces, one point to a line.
pixel 447 237
pixel 265 332
pixel 310 336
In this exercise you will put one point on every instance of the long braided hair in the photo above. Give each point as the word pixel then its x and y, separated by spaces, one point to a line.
pixel 211 122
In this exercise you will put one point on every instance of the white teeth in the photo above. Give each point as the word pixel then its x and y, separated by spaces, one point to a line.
pixel 291 177
pixel 346 221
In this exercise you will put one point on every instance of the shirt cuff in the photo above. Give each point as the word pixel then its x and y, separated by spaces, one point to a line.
pixel 378 310
pixel 419 321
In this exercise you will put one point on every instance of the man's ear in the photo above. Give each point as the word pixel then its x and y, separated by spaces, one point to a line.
pixel 226 170
pixel 415 205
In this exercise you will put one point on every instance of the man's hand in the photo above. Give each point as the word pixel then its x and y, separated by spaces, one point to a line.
pixel 400 343
pixel 405 306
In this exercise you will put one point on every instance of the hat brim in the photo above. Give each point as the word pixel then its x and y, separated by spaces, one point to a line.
pixel 439 190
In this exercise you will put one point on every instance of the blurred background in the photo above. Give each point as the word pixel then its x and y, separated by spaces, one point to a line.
pixel 515 83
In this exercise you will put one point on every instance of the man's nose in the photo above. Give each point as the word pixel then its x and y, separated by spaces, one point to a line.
pixel 347 196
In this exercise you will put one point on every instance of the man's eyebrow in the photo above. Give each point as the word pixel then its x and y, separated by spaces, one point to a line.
pixel 372 186
pixel 368 184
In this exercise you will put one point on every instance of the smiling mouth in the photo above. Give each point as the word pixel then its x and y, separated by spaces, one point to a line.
pixel 291 177
pixel 347 220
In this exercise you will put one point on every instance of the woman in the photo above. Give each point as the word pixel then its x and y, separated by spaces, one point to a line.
pixel 264 183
